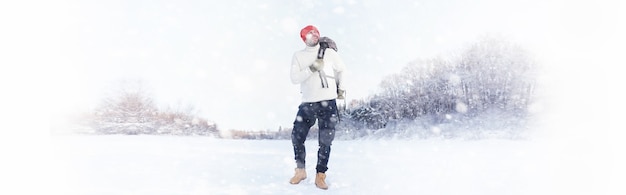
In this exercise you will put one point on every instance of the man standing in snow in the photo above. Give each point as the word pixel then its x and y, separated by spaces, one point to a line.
pixel 319 93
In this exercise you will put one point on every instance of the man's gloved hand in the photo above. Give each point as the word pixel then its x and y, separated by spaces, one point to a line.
pixel 317 65
pixel 340 94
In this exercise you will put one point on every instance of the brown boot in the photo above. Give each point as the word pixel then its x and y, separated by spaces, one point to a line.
pixel 320 181
pixel 298 176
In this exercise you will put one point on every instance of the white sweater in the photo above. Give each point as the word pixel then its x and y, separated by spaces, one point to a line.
pixel 311 82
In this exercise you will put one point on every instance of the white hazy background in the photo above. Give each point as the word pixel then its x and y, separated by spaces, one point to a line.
pixel 231 59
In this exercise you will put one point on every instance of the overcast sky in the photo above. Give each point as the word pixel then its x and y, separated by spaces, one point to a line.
pixel 230 59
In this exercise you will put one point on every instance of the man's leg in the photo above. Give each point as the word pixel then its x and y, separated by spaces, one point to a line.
pixel 302 124
pixel 327 121
pixel 304 120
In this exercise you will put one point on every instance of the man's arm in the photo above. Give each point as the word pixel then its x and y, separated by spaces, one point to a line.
pixel 338 67
pixel 298 75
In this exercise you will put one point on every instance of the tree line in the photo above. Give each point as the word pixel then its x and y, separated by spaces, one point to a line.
pixel 129 109
pixel 488 88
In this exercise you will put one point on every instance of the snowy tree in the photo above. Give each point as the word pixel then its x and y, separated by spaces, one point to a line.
pixel 128 109
pixel 184 120
pixel 496 74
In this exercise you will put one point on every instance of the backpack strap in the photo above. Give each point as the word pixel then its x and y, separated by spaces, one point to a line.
pixel 322 50
pixel 325 43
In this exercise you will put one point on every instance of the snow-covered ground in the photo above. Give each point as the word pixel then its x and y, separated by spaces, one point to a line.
pixel 154 165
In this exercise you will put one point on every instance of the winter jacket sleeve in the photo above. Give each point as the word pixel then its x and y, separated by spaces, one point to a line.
pixel 298 74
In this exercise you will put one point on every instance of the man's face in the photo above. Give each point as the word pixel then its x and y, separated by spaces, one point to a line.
pixel 312 38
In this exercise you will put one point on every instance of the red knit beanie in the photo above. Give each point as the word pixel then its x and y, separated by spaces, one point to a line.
pixel 306 30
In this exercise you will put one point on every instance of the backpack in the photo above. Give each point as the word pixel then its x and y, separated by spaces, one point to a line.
pixel 325 43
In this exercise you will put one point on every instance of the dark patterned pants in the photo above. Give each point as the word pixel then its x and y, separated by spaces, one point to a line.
pixel 325 112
